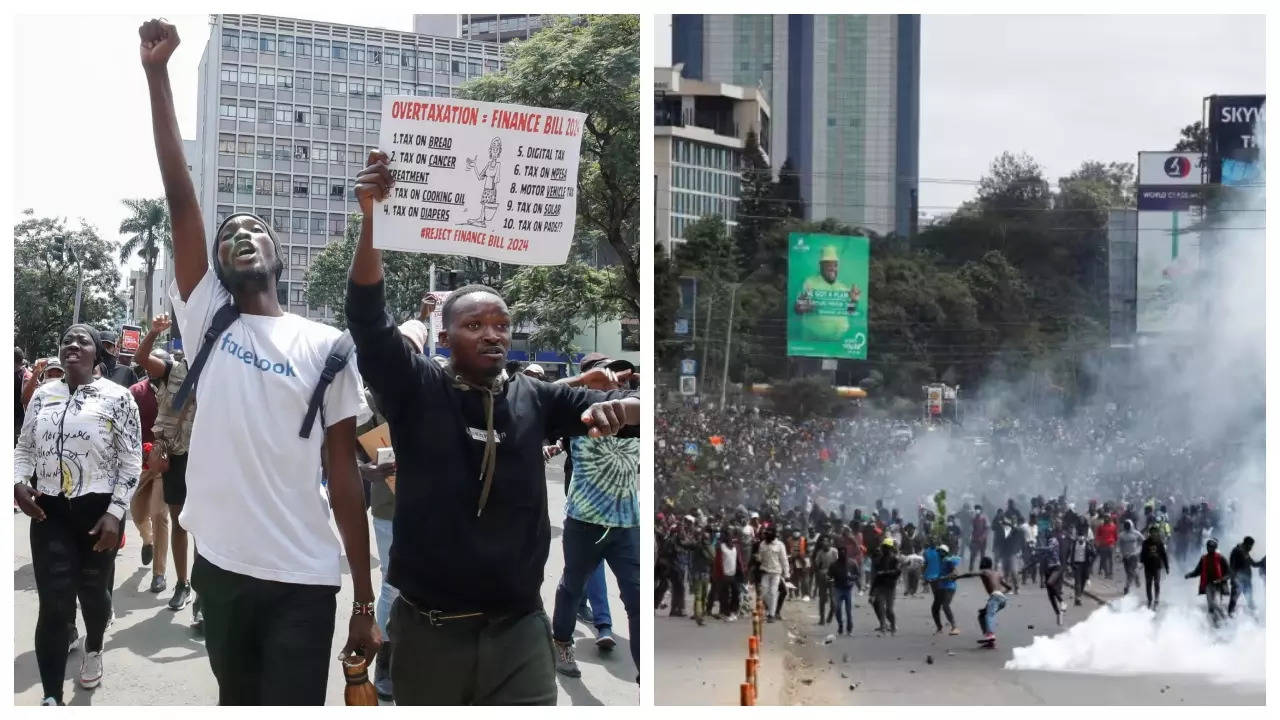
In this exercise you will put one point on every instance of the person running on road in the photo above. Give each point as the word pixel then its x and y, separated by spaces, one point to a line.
pixel 978 536
pixel 1052 574
pixel 944 587
pixel 992 582
pixel 886 569
pixel 82 440
pixel 1241 566
pixel 841 574
pixel 269 566
pixel 1155 560
pixel 1130 543
pixel 1213 573
pixel 823 557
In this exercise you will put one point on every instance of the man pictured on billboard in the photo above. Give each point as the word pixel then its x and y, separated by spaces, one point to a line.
pixel 829 316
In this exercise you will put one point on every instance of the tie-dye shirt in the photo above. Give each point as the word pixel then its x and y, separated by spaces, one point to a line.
pixel 604 488
pixel 80 443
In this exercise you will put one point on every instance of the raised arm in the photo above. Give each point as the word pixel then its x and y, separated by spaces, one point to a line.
pixel 158 41
pixel 154 366
pixel 372 185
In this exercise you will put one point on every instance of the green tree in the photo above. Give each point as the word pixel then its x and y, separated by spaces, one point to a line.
pixel 666 298
pixel 1193 138
pixel 803 397
pixel 45 276
pixel 1014 184
pixel 590 64
pixel 149 232
pixel 559 300
pixel 758 207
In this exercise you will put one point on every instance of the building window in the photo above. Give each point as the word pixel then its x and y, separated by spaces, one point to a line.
pixel 630 335
pixel 301 117
pixel 391 57
pixel 337 223
pixel 322 118
pixel 283 147
pixel 304 47
pixel 267 43
pixel 303 82
pixel 244 147
pixel 317 224
pixel 226 110
pixel 353 157
pixel 390 87
pixel 337 155
pixel 338 121
pixel 266 113
pixel 282 189
pixel 374 89
pixel 357 53
pixel 336 189
pixel 356 121
pixel 248 40
pixel 424 62
pixel 286 44
pixel 284 80
pixel 246 109
pixel 321 84
pixel 284 114
pixel 322 49
pixel 374 124
pixel 280 220
pixel 264 149
pixel 459 67
pixel 228 74
pixel 356 87
pixel 473 69
pixel 301 151
pixel 300 258
pixel 244 184
pixel 320 152
pixel 375 56
pixel 226 145
pixel 442 63
pixel 267 79
pixel 422 91
pixel 300 187
pixel 339 85
pixel 226 181
pixel 230 39
pixel 319 186
pixel 299 222
pixel 262 185
pixel 297 296
pixel 339 50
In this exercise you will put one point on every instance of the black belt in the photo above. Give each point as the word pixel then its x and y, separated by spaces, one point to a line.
pixel 440 617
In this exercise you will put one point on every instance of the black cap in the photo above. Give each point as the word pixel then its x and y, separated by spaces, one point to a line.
pixel 592 360
pixel 109 336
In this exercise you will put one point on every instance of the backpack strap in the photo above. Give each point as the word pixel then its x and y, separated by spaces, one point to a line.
pixel 222 320
pixel 339 356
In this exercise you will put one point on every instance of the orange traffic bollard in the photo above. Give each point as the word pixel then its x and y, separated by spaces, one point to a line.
pixel 753 646
pixel 753 665
pixel 746 695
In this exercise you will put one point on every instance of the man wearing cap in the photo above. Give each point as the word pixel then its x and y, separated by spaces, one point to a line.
pixel 268 566
pixel 471 533
pixel 824 302
pixel 111 369
pixel 885 570
pixel 602 525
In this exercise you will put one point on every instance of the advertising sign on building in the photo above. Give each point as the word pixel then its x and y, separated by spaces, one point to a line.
pixel 827 296
pixel 688 366
pixel 1169 202
pixel 688 385
pixel 1234 124
pixel 485 180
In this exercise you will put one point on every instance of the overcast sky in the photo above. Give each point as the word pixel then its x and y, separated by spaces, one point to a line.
pixel 1063 88
pixel 82 121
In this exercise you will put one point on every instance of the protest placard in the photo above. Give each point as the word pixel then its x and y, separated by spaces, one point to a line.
pixel 130 339
pixel 486 180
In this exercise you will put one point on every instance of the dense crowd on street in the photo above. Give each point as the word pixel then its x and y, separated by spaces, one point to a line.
pixel 204 453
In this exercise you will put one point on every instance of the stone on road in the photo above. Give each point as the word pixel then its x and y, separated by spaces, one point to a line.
pixel 152 657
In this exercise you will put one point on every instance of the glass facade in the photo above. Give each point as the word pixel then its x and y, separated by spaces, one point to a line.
pixel 298 109
pixel 845 86
pixel 705 180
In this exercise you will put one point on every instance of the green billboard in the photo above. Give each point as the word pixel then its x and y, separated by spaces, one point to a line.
pixel 827 296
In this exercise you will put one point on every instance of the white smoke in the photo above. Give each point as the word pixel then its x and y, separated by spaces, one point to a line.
pixel 1129 639
pixel 1220 402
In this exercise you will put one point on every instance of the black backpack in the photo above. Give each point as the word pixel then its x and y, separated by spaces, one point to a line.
pixel 339 356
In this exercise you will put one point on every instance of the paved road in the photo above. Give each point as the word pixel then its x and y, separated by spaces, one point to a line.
pixel 151 656
pixel 704 666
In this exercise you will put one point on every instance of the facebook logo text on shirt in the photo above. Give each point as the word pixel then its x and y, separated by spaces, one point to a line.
pixel 251 358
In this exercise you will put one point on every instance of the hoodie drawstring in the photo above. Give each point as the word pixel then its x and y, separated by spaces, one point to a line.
pixel 489 462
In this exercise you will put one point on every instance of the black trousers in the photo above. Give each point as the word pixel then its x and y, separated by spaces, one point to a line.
pixel 269 643
pixel 882 603
pixel 942 603
pixel 472 661
pixel 1151 573
pixel 67 568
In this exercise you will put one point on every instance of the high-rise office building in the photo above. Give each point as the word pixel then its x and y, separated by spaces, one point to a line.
pixel 845 92
pixel 700 129
pixel 287 113
pixel 486 28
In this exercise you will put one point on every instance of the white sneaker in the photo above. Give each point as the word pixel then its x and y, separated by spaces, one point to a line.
pixel 733 618
pixel 49 701
pixel 91 670
pixel 806 598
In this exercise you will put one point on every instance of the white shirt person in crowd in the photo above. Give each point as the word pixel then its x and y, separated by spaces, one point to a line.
pixel 82 440
pixel 268 566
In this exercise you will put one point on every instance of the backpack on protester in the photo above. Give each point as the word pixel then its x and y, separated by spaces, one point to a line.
pixel 336 362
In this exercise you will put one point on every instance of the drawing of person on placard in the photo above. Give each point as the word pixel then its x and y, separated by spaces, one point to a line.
pixel 488 176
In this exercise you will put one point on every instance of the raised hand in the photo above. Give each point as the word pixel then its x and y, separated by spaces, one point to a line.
pixel 159 40
pixel 374 182
pixel 160 323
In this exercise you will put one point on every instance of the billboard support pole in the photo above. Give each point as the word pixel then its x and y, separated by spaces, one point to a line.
pixel 728 340
pixel 706 340
pixel 431 336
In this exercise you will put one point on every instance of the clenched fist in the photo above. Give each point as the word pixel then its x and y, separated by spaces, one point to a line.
pixel 374 182
pixel 159 40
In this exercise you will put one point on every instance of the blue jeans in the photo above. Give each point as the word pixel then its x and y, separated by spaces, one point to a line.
pixel 844 608
pixel 585 545
pixel 387 595
pixel 596 600
pixel 995 604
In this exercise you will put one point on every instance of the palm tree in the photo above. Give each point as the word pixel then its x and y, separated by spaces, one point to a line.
pixel 149 230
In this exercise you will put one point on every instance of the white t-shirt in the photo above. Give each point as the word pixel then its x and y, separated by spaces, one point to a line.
pixel 254 503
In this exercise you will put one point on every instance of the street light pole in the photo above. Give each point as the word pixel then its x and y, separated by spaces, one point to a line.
pixel 706 342
pixel 728 340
